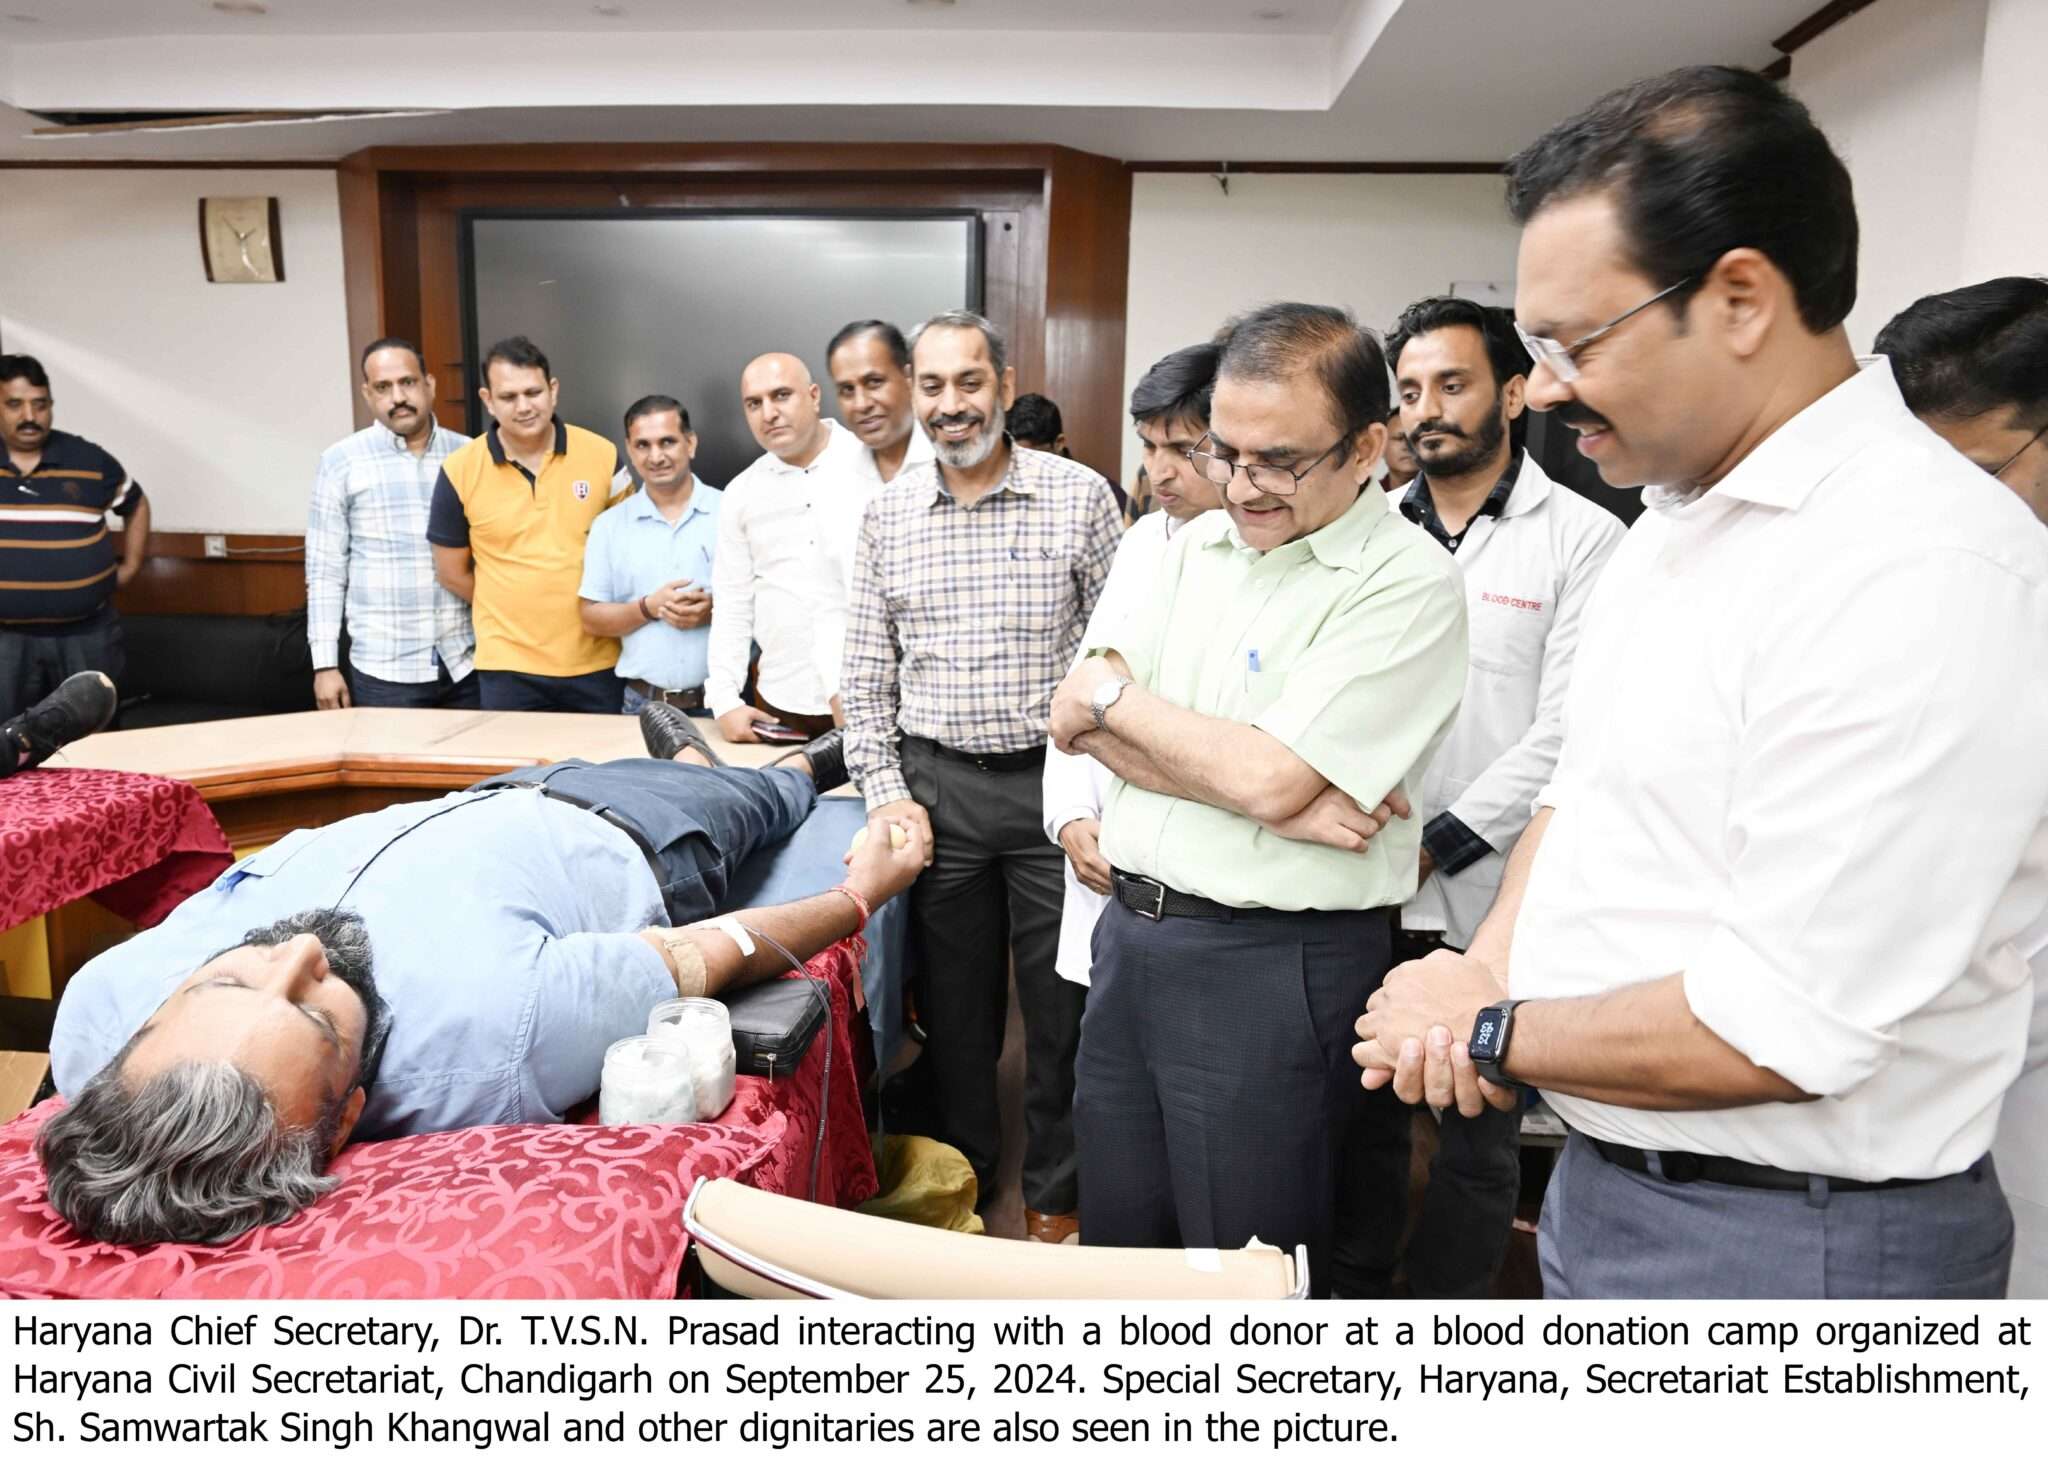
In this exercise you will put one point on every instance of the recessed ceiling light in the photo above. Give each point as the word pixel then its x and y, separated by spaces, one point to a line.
pixel 241 7
pixel 26 19
pixel 609 12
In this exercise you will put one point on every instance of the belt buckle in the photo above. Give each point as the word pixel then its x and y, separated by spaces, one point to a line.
pixel 1679 1167
pixel 1158 896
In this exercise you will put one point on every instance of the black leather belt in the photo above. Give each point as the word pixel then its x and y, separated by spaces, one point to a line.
pixel 689 699
pixel 1682 1168
pixel 987 762
pixel 1153 900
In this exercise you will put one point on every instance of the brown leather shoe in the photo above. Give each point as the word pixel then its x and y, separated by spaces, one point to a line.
pixel 1054 1228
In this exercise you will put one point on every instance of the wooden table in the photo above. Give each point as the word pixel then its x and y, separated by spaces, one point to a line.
pixel 265 776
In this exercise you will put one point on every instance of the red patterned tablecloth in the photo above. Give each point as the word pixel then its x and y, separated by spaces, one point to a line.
pixel 136 843
pixel 846 1168
pixel 536 1210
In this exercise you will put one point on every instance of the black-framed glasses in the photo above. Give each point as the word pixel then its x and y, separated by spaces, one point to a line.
pixel 2039 433
pixel 1561 360
pixel 1265 477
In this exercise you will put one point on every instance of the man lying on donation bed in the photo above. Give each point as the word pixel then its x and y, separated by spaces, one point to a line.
pixel 427 967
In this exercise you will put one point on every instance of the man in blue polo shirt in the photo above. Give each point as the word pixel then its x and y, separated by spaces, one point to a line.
pixel 58 573
pixel 647 566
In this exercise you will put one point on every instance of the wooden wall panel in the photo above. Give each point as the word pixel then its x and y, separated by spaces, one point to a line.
pixel 1044 210
pixel 263 574
pixel 1087 280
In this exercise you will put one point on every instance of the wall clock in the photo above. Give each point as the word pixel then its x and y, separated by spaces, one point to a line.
pixel 240 241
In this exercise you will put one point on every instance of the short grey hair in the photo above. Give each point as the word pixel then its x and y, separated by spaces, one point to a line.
pixel 967 320
pixel 196 1154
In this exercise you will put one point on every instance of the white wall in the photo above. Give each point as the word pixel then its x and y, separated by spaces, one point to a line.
pixel 1895 87
pixel 217 398
pixel 1373 242
pixel 2007 232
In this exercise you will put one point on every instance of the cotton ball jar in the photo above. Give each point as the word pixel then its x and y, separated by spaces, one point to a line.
pixel 646 1082
pixel 702 1030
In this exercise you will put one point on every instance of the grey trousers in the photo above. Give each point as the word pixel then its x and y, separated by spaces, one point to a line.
pixel 1609 1232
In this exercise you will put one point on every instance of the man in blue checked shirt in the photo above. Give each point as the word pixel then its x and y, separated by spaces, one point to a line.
pixel 411 644
pixel 647 566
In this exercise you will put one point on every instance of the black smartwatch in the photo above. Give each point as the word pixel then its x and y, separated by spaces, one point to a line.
pixel 1491 1031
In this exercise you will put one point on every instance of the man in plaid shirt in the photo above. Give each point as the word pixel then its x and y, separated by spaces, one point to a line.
pixel 366 548
pixel 975 576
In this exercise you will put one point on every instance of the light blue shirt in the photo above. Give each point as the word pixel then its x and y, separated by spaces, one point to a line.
pixel 633 550
pixel 501 933
pixel 366 545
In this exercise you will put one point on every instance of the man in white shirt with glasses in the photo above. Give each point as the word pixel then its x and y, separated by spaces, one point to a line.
pixel 1758 946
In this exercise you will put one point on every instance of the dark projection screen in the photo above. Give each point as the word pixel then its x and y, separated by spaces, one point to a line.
pixel 652 301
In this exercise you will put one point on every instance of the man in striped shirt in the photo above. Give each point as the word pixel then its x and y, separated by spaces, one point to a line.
pixel 366 550
pixel 58 572
pixel 975 576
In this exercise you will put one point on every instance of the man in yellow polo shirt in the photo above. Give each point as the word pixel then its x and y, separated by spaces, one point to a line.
pixel 1302 655
pixel 512 510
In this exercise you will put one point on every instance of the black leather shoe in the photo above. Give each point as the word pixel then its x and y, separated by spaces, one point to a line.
pixel 668 730
pixel 83 703
pixel 827 755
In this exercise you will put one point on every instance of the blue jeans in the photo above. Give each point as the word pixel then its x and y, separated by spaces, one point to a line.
pixel 519 691
pixel 370 691
pixel 699 824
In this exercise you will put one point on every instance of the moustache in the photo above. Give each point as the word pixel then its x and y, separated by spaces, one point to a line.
pixel 1428 428
pixel 958 419
pixel 1580 421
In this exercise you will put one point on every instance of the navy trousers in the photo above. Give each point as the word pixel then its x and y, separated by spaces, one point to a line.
pixel 370 691
pixel 34 660
pixel 1215 1084
pixel 518 691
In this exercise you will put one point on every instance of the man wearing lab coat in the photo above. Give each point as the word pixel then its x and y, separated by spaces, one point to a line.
pixel 1530 550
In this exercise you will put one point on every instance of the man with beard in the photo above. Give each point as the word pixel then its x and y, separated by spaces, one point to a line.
pixel 975 576
pixel 1779 1019
pixel 431 966
pixel 410 641
pixel 1531 551
pixel 1300 659
pixel 870 365
pixel 769 577
pixel 58 573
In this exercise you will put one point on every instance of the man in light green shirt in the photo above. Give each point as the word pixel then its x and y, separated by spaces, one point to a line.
pixel 1303 656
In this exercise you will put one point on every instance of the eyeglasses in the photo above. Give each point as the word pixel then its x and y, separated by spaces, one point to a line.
pixel 1265 477
pixel 1559 359
pixel 1999 471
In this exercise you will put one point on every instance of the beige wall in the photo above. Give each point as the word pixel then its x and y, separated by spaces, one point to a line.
pixel 1372 242
pixel 217 398
pixel 1896 89
pixel 2007 229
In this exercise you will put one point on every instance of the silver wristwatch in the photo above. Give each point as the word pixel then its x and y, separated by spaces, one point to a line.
pixel 1105 698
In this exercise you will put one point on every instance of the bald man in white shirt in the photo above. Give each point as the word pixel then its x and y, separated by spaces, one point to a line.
pixel 765 576
pixel 1758 946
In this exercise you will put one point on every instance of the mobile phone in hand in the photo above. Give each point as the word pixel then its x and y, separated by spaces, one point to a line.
pixel 779 732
